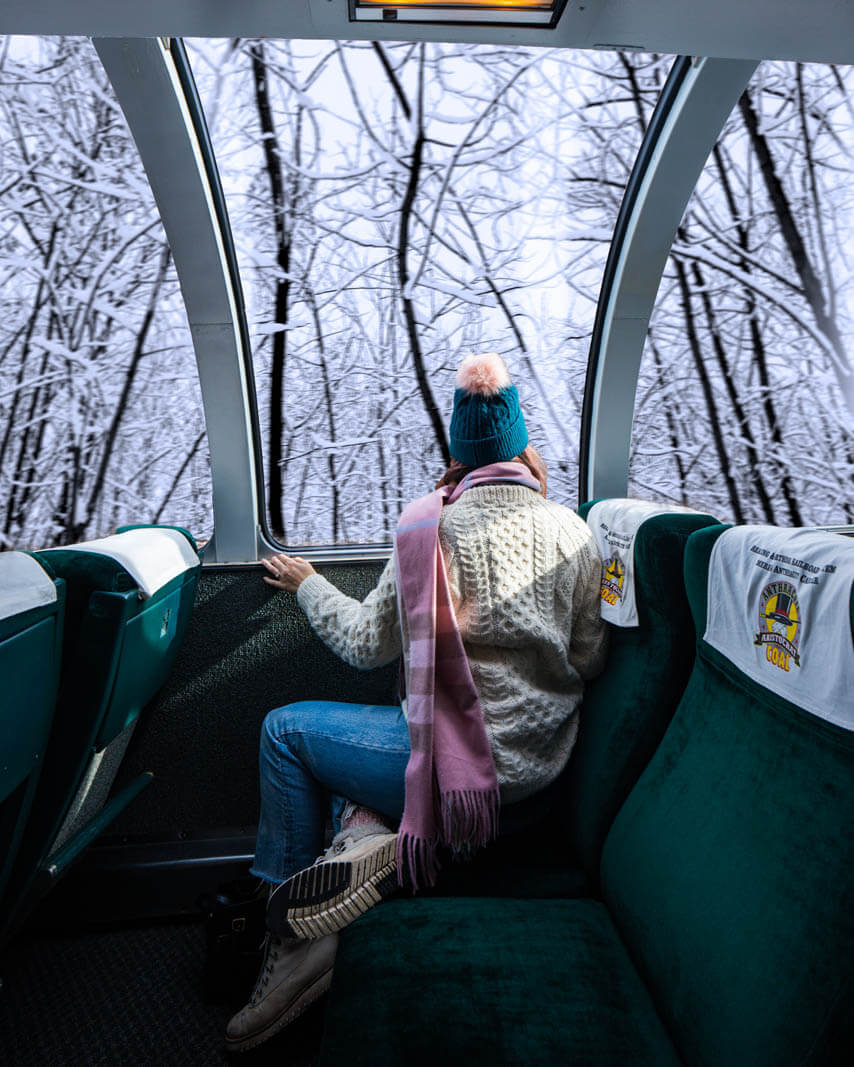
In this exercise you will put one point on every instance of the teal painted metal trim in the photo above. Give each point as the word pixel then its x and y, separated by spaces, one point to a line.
pixel 62 859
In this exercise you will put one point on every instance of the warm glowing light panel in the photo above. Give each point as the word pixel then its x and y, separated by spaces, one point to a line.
pixel 520 12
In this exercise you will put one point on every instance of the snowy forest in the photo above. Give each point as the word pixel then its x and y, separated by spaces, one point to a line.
pixel 396 207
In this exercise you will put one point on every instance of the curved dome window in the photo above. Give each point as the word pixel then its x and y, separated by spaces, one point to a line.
pixel 396 207
pixel 741 404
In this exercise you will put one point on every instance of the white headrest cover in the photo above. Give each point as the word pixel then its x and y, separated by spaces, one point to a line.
pixel 615 524
pixel 152 556
pixel 23 584
pixel 779 611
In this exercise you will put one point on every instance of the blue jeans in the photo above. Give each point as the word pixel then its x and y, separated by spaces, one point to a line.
pixel 319 750
pixel 311 751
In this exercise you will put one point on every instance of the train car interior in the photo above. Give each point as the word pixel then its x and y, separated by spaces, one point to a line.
pixel 243 249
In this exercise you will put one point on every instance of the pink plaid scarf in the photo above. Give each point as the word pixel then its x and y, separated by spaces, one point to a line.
pixel 451 786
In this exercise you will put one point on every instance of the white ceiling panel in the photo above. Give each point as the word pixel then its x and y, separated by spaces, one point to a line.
pixel 822 30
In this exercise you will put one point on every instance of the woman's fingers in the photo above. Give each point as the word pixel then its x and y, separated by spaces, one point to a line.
pixel 277 566
pixel 287 572
pixel 275 572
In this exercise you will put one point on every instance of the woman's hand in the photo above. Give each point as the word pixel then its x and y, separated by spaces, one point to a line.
pixel 287 572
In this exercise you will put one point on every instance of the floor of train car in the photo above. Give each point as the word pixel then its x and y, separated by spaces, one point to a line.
pixel 129 994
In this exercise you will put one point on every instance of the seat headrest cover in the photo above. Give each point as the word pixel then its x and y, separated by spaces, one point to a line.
pixel 23 584
pixel 151 556
pixel 615 524
pixel 779 610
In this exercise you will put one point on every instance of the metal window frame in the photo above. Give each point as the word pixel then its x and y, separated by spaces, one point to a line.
pixel 154 87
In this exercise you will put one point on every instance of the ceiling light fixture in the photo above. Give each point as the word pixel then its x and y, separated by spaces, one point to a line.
pixel 502 12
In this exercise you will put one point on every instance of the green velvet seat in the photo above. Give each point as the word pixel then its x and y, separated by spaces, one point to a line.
pixel 729 870
pixel 32 605
pixel 725 936
pixel 525 865
pixel 498 982
pixel 129 601
pixel 628 707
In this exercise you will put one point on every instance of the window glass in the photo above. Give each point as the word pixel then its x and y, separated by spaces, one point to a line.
pixel 744 404
pixel 100 409
pixel 395 208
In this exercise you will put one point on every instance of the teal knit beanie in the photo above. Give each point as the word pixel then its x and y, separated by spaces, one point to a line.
pixel 487 424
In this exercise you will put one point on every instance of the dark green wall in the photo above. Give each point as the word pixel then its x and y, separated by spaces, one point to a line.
pixel 248 650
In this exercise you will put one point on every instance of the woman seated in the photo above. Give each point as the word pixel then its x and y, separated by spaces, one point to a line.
pixel 492 598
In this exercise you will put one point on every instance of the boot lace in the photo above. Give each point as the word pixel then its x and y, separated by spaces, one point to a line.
pixel 338 847
pixel 272 949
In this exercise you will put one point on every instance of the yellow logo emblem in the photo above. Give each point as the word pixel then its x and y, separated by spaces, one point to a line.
pixel 613 576
pixel 779 625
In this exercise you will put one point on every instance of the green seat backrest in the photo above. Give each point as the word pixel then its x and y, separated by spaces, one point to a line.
pixel 30 652
pixel 123 644
pixel 728 870
pixel 628 707
pixel 119 647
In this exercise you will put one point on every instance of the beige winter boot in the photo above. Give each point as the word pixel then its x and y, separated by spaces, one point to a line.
pixel 293 975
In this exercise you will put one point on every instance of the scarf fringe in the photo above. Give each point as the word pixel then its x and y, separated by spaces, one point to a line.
pixel 417 864
pixel 469 818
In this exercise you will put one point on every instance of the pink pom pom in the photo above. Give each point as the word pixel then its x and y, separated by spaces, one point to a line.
pixel 483 374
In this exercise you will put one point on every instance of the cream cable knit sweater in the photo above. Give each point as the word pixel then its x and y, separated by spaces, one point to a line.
pixel 524 576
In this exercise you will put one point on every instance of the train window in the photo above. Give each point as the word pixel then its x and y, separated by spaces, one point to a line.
pixel 396 206
pixel 740 406
pixel 100 409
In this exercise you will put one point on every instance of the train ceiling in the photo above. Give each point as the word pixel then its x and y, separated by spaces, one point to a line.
pixel 821 30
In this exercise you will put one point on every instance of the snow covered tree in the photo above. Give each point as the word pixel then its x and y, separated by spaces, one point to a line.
pixel 100 419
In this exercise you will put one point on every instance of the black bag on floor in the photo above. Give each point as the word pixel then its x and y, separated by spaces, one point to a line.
pixel 235 928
